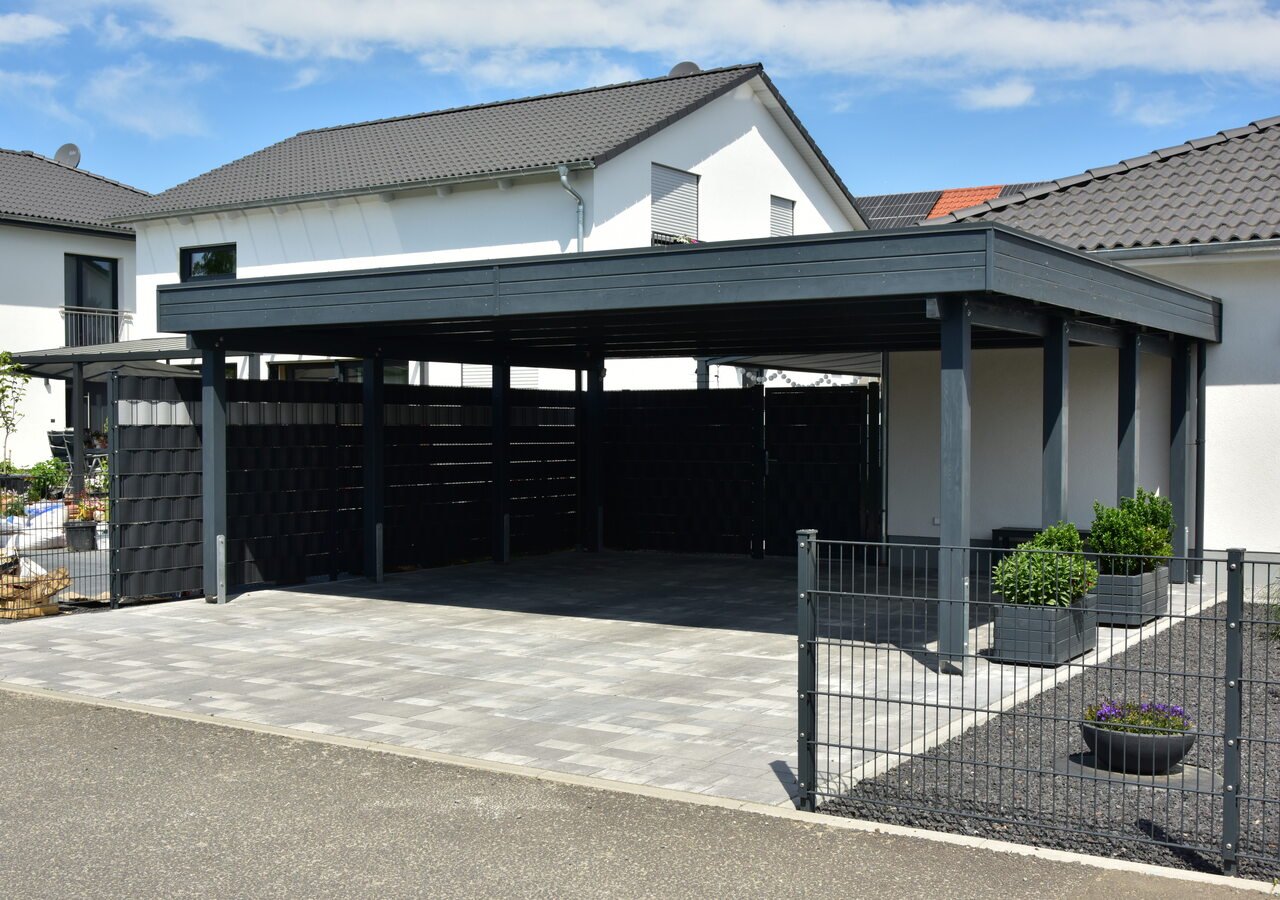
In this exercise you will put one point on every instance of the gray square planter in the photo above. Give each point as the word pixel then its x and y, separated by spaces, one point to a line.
pixel 1129 600
pixel 1045 635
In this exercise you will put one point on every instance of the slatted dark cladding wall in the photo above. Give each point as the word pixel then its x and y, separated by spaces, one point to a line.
pixel 684 470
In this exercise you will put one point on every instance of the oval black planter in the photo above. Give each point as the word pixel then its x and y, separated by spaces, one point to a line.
pixel 1136 754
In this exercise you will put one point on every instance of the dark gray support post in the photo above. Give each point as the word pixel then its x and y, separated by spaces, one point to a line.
pixel 759 473
pixel 1129 411
pixel 253 370
pixel 704 374
pixel 78 429
pixel 501 412
pixel 595 456
pixel 1053 484
pixel 580 445
pixel 375 478
pixel 1202 350
pixel 1180 426
pixel 213 467
pixel 953 563
pixel 807 634
pixel 113 478
pixel 1231 771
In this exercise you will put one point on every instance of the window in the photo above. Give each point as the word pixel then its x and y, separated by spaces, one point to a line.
pixel 348 370
pixel 91 298
pixel 197 263
pixel 674 206
pixel 782 216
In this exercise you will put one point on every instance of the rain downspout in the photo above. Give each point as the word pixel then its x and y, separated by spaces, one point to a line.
pixel 564 183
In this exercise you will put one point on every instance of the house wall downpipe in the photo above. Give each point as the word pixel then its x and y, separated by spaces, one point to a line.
pixel 563 171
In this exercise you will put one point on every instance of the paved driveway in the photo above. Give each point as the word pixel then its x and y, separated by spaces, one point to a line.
pixel 673 671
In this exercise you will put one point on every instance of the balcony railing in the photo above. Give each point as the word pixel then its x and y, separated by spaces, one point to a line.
pixel 85 326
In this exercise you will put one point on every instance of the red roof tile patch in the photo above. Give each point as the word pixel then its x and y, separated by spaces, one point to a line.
pixel 963 198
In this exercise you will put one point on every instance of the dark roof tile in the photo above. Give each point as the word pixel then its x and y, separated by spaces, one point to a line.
pixel 34 187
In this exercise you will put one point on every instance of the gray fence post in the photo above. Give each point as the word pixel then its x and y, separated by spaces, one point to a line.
pixel 807 634
pixel 1231 737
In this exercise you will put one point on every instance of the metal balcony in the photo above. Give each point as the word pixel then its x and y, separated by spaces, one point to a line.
pixel 83 326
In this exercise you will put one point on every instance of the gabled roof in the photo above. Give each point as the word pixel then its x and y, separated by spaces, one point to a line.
pixel 903 210
pixel 1216 189
pixel 34 188
pixel 580 129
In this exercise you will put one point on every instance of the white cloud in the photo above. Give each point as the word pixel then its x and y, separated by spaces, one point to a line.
pixel 149 99
pixel 929 39
pixel 25 28
pixel 35 90
pixel 1007 94
pixel 304 77
pixel 514 67
pixel 1153 109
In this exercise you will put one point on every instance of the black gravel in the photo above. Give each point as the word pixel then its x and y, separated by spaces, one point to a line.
pixel 998 780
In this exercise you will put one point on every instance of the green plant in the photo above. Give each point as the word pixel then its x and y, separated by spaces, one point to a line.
pixel 13 387
pixel 45 477
pixel 1268 597
pixel 11 504
pixel 1139 718
pixel 1048 570
pixel 1134 537
pixel 7 467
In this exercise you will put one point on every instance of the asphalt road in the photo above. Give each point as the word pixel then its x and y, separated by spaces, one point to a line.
pixel 100 802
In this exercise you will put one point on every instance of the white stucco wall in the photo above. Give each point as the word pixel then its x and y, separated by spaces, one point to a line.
pixel 734 144
pixel 1006 435
pixel 32 293
pixel 1242 395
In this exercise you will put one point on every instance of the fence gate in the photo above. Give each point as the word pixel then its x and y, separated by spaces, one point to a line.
pixel 992 741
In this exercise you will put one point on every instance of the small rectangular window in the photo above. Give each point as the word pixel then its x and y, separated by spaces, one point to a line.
pixel 200 263
pixel 674 206
pixel 782 216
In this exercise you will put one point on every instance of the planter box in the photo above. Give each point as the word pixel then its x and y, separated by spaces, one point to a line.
pixel 1136 754
pixel 1045 635
pixel 82 536
pixel 1133 599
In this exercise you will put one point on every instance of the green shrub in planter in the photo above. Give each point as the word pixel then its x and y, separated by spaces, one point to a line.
pixel 1048 570
pixel 1135 537
pixel 46 477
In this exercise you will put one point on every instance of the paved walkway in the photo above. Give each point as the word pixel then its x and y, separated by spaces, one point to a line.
pixel 104 803
pixel 672 671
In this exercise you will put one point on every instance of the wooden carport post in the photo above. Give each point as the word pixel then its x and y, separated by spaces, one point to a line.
pixel 953 558
pixel 372 371
pixel 1053 487
pixel 213 467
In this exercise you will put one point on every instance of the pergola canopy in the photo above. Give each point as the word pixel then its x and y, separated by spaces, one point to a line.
pixel 836 293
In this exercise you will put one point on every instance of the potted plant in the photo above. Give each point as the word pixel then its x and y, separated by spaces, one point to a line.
pixel 1137 738
pixel 46 478
pixel 1133 547
pixel 1048 614
pixel 82 526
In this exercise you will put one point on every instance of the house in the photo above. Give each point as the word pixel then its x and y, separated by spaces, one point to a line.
pixel 1206 215
pixel 692 156
pixel 904 210
pixel 68 276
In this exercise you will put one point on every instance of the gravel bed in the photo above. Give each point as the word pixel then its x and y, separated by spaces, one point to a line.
pixel 1001 779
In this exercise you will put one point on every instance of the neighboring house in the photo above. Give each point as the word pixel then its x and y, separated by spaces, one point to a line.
pixel 904 210
pixel 704 156
pixel 68 277
pixel 1206 215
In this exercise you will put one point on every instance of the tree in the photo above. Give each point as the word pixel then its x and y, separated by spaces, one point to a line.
pixel 13 387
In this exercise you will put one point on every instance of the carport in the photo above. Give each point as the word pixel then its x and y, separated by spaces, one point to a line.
pixel 954 288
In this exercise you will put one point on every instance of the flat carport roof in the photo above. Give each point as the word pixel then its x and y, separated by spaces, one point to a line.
pixel 953 288
pixel 834 293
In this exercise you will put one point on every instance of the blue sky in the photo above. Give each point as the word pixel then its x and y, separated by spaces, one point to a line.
pixel 900 95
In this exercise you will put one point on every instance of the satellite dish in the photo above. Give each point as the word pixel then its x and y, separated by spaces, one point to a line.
pixel 68 155
pixel 684 68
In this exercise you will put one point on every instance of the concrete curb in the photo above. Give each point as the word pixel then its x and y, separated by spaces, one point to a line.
pixel 783 811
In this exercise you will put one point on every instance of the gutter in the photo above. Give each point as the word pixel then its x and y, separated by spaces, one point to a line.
pixel 563 172
pixel 354 192
pixel 1189 250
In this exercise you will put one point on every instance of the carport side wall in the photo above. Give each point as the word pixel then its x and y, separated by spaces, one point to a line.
pixel 1006 458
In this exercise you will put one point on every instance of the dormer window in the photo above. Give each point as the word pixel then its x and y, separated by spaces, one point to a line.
pixel 674 206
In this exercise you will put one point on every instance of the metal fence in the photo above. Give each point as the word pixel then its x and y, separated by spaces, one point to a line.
pixel 991 737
